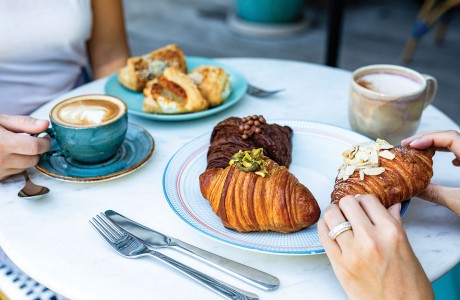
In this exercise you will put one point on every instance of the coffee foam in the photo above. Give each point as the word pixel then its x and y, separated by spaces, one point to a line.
pixel 87 112
pixel 390 83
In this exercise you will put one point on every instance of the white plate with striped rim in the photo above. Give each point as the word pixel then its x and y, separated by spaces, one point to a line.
pixel 316 157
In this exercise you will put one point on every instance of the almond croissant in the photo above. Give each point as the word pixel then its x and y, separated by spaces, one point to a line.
pixel 405 173
pixel 246 202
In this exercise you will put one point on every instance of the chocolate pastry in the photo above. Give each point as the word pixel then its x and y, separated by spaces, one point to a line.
pixel 234 134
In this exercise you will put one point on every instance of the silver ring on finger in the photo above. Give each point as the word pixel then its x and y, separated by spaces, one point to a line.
pixel 339 229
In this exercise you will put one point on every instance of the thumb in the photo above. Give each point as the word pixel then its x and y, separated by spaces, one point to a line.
pixel 23 124
pixel 395 211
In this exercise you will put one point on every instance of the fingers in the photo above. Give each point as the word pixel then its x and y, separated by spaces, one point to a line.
pixel 23 144
pixel 19 162
pixel 395 212
pixel 332 217
pixel 447 140
pixel 7 173
pixel 353 211
pixel 373 209
pixel 15 163
pixel 22 162
pixel 410 139
pixel 331 247
pixel 23 124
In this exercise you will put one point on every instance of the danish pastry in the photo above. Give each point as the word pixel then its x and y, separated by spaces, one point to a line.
pixel 139 70
pixel 172 93
pixel 213 83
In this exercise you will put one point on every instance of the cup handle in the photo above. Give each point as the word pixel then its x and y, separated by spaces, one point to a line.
pixel 431 89
pixel 52 135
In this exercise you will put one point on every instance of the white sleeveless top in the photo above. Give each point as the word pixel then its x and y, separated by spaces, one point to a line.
pixel 42 50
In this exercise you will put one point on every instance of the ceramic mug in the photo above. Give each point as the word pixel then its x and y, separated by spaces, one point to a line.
pixel 89 128
pixel 387 101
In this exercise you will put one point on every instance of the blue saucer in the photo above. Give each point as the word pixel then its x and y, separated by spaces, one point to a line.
pixel 135 151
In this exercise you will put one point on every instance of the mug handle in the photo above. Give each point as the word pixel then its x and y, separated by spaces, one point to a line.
pixel 431 89
pixel 52 135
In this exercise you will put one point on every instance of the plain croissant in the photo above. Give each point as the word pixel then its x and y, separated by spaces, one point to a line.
pixel 405 176
pixel 247 202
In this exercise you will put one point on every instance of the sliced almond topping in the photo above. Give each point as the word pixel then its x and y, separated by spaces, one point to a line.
pixel 374 158
pixel 386 146
pixel 364 157
pixel 386 154
pixel 340 176
pixel 349 170
pixel 374 171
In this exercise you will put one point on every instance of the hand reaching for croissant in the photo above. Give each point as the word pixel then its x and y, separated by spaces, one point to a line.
pixel 374 260
pixel 442 141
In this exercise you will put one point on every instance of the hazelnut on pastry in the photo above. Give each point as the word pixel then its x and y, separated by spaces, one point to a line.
pixel 139 70
pixel 213 83
pixel 173 93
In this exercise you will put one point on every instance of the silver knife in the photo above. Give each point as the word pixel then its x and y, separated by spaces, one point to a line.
pixel 156 239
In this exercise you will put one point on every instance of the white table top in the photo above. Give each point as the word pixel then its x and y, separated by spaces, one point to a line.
pixel 52 241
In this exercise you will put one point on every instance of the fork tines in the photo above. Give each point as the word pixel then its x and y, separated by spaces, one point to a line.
pixel 107 229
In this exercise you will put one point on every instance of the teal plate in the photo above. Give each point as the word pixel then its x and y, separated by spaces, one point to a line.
pixel 135 151
pixel 134 100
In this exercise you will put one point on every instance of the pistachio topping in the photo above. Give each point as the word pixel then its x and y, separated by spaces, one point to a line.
pixel 250 161
pixel 365 158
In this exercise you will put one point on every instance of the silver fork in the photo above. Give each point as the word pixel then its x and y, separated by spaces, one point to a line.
pixel 130 246
pixel 261 93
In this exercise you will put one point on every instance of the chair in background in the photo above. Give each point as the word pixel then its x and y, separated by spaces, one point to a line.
pixel 432 12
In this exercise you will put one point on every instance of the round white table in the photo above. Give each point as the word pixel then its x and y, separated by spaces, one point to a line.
pixel 52 241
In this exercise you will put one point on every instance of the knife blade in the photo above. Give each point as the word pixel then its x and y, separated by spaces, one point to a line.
pixel 156 239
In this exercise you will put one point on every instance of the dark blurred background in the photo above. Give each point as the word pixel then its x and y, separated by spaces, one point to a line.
pixel 371 32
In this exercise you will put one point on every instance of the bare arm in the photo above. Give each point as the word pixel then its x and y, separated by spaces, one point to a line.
pixel 108 46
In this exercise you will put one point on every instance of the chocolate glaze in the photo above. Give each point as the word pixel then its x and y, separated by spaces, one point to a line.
pixel 230 135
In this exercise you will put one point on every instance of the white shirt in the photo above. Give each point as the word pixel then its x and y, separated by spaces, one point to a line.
pixel 42 50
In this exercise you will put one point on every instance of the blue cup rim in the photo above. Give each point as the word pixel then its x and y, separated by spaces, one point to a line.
pixel 89 97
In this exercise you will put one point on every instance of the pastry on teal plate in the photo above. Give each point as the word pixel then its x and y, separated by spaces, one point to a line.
pixel 134 100
pixel 136 150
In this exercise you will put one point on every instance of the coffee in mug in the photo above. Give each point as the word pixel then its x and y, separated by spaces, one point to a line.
pixel 387 101
pixel 87 112
pixel 89 128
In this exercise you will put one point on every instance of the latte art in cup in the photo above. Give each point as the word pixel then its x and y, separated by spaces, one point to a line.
pixel 390 83
pixel 88 128
pixel 87 112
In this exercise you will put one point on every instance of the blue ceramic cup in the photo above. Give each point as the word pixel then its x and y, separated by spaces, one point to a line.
pixel 270 11
pixel 89 128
